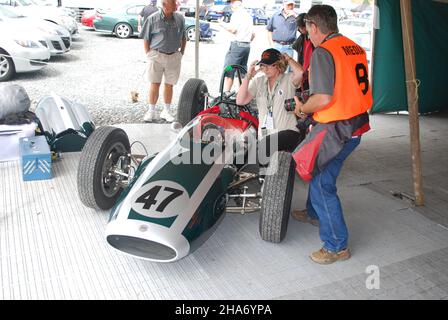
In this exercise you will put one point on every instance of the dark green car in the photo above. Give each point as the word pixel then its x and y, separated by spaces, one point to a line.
pixel 123 23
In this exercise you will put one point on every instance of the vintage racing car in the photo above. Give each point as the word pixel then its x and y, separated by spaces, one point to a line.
pixel 166 205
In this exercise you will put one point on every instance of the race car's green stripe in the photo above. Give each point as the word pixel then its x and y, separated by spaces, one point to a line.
pixel 166 222
pixel 187 175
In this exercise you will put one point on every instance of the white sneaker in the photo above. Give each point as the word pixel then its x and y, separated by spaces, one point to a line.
pixel 157 113
pixel 165 114
pixel 149 115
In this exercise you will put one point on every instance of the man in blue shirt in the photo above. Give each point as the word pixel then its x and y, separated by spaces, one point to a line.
pixel 282 28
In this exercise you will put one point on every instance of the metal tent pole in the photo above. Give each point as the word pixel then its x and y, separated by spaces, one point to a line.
pixel 196 41
pixel 412 95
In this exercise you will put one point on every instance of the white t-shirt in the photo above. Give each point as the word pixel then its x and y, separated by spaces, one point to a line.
pixel 241 20
pixel 285 89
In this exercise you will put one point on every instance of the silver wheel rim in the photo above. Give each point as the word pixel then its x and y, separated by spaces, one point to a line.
pixel 110 188
pixel 4 66
pixel 123 31
pixel 191 34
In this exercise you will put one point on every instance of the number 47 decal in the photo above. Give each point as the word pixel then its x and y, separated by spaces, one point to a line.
pixel 149 198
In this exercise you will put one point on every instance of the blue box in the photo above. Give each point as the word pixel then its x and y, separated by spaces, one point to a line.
pixel 35 158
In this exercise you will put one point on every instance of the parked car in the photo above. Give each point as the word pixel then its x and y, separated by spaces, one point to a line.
pixel 87 18
pixel 29 9
pixel 56 38
pixel 219 11
pixel 258 15
pixel 123 23
pixel 270 10
pixel 20 52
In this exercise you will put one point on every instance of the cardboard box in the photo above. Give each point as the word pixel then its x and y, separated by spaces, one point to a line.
pixel 9 139
pixel 35 158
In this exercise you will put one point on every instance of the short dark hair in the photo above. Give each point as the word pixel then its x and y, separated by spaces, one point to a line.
pixel 325 17
pixel 301 20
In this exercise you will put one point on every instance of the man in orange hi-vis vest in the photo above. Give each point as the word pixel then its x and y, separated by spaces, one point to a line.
pixel 340 96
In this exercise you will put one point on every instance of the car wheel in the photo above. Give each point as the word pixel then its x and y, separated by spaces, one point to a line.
pixel 191 33
pixel 276 198
pixel 97 186
pixel 7 68
pixel 123 30
pixel 191 100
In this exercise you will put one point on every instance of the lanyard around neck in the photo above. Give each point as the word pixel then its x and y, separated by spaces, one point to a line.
pixel 271 97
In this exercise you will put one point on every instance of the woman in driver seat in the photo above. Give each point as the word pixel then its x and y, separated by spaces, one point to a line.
pixel 273 92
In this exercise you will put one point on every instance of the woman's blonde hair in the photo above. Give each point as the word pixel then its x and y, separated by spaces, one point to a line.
pixel 281 64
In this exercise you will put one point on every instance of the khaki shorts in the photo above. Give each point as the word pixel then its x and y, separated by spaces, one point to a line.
pixel 160 64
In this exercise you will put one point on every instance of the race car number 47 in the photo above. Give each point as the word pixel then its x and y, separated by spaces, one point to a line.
pixel 160 199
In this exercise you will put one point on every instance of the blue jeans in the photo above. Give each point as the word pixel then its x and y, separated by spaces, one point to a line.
pixel 323 202
pixel 285 49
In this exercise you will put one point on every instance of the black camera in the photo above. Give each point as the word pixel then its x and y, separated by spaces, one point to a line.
pixel 302 95
pixel 290 104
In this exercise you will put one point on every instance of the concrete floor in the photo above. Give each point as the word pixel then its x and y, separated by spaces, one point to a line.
pixel 51 247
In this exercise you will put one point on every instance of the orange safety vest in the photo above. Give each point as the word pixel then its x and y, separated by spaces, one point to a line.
pixel 352 93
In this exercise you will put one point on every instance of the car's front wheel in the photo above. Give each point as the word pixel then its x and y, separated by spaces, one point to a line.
pixel 123 30
pixel 98 186
pixel 7 68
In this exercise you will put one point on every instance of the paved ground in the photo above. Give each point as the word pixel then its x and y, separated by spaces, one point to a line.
pixel 52 247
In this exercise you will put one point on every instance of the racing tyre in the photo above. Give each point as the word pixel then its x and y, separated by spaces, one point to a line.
pixel 191 100
pixel 97 188
pixel 7 68
pixel 123 30
pixel 276 198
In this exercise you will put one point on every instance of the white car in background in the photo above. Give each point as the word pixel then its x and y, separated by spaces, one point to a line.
pixel 56 38
pixel 52 14
pixel 360 31
pixel 20 52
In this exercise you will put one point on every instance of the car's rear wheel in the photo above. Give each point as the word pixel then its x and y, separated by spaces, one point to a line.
pixel 98 186
pixel 191 100
pixel 123 30
pixel 7 68
pixel 191 33
pixel 276 198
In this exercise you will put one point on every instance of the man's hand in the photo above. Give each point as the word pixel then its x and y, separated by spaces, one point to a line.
pixel 290 13
pixel 139 28
pixel 298 110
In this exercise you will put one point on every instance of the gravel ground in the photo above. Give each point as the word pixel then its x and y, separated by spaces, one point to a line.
pixel 101 70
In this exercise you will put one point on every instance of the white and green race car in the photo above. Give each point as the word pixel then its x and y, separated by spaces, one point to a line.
pixel 174 200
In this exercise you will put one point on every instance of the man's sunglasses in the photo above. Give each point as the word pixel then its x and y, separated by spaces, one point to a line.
pixel 308 21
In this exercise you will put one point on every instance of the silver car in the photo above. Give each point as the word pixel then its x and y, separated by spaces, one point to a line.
pixel 20 52
pixel 56 38
pixel 52 14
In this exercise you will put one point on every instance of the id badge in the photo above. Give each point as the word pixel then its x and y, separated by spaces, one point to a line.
pixel 269 123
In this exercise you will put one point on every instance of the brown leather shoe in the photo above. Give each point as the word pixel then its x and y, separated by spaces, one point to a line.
pixel 323 256
pixel 302 216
